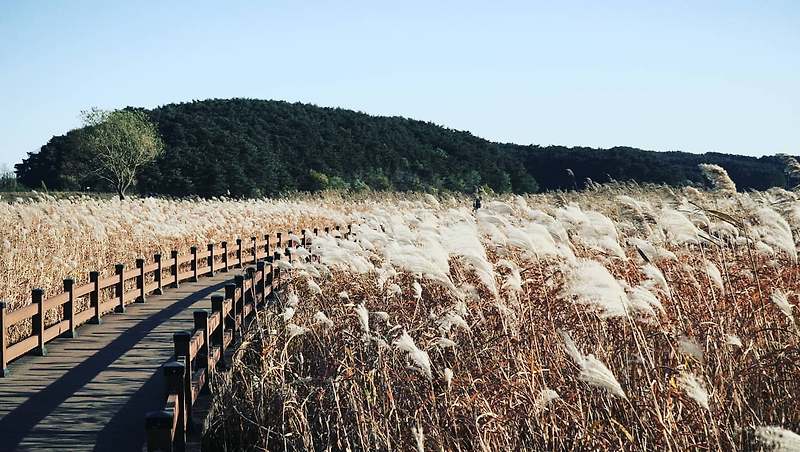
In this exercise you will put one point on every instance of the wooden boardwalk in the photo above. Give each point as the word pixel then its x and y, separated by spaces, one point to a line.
pixel 92 392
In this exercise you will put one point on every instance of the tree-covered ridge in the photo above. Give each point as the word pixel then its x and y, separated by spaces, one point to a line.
pixel 248 147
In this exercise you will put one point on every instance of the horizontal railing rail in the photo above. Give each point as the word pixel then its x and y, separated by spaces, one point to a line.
pixel 129 285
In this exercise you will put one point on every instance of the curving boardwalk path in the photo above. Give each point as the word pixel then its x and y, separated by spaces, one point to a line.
pixel 92 392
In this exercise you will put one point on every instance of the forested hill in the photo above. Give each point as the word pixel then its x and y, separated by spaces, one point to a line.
pixel 246 147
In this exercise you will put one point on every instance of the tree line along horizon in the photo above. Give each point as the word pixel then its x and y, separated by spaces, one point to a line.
pixel 253 148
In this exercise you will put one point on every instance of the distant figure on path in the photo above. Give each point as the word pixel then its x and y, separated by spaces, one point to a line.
pixel 476 204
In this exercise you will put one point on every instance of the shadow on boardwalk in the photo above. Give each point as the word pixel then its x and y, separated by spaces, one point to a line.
pixel 93 392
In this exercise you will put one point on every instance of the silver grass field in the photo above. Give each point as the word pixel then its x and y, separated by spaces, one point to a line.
pixel 624 317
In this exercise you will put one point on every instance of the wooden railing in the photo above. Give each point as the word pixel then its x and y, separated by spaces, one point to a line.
pixel 129 286
pixel 199 354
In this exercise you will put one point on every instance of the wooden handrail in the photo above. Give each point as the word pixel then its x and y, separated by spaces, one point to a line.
pixel 83 290
pixel 200 354
pixel 108 281
pixel 164 272
pixel 4 359
pixel 56 301
pixel 23 313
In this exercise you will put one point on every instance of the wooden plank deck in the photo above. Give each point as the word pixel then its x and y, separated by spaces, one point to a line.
pixel 92 392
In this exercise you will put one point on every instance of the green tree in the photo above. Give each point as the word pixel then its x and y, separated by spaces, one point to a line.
pixel 120 142
pixel 471 180
pixel 8 181
pixel 377 180
pixel 255 146
pixel 503 183
pixel 359 185
pixel 318 180
pixel 523 182
pixel 337 183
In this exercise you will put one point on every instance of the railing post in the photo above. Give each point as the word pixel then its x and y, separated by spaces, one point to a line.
pixel 193 264
pixel 3 340
pixel 37 296
pixel 327 230
pixel 349 230
pixel 204 354
pixel 290 242
pixel 174 267
pixel 225 257
pixel 266 245
pixel 210 259
pixel 249 297
pixel 303 237
pixel 270 275
pixel 174 373
pixel 182 340
pixel 277 278
pixel 159 290
pixel 218 335
pixel 69 308
pixel 158 428
pixel 230 294
pixel 238 253
pixel 119 269
pixel 255 248
pixel 239 281
pixel 94 297
pixel 140 281
pixel 261 269
pixel 316 231
pixel 280 240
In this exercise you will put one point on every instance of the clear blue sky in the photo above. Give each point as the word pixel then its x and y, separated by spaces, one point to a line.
pixel 695 76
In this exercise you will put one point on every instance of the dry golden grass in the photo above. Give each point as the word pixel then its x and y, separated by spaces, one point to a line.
pixel 710 362
pixel 46 240
pixel 506 381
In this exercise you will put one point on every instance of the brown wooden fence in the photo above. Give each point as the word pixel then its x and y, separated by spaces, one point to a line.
pixel 126 286
pixel 199 354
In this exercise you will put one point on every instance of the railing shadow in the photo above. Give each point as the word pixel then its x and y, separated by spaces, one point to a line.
pixel 147 398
